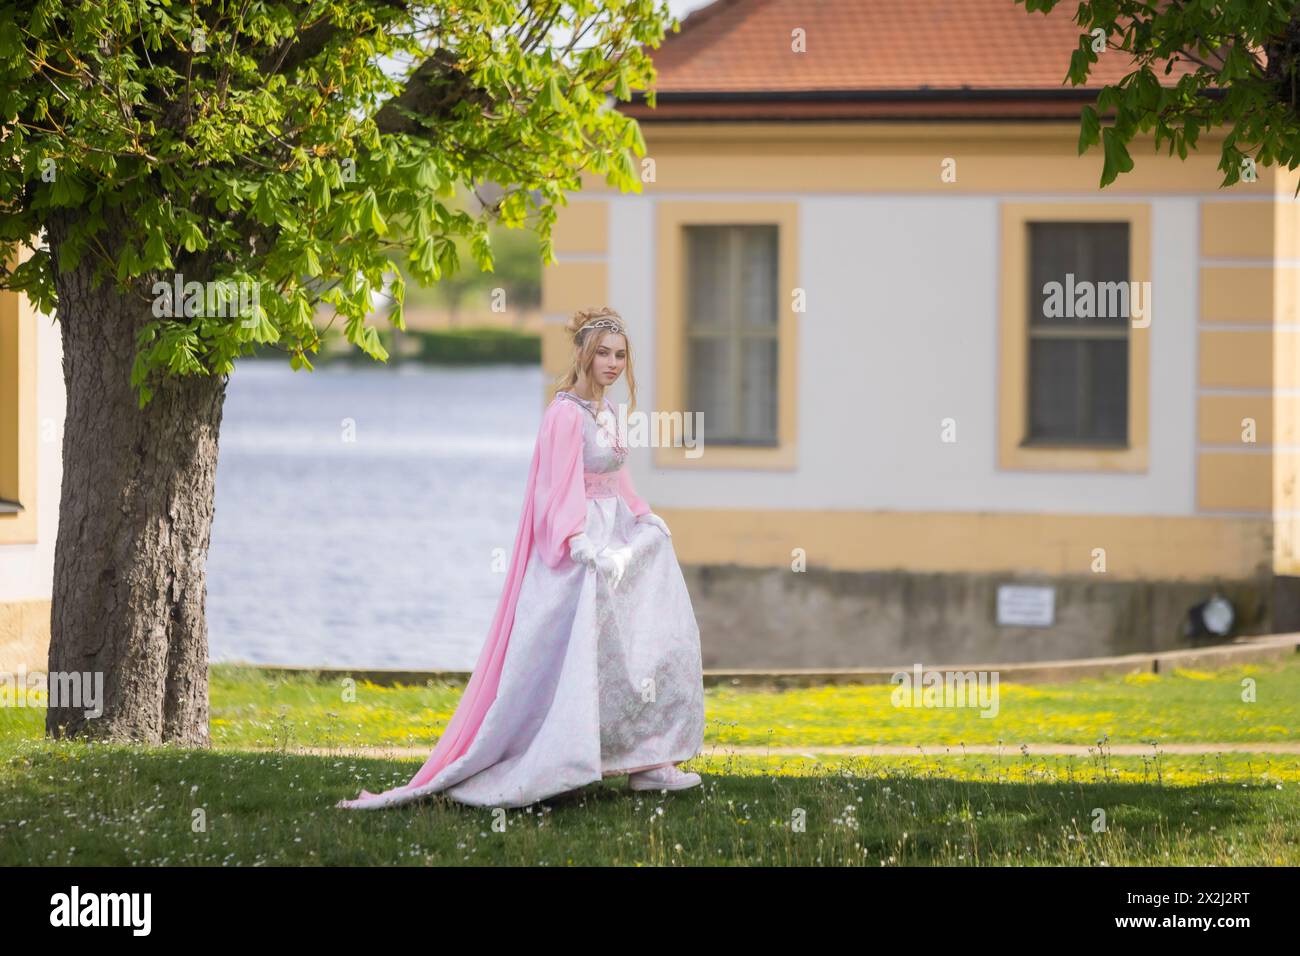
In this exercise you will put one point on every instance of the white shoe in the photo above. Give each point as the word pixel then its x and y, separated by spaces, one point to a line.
pixel 662 778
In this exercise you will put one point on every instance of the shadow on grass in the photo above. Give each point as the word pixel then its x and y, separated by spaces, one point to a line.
pixel 75 803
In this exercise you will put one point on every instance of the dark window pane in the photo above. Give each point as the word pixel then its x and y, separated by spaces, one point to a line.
pixel 758 390
pixel 758 276
pixel 1108 389
pixel 711 387
pixel 708 259
pixel 1079 390
pixel 1072 254
pixel 1054 388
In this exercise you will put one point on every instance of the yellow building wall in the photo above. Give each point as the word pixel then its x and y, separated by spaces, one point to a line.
pixel 1248 336
pixel 25 622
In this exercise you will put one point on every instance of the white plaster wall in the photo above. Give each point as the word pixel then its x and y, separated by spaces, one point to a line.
pixel 900 333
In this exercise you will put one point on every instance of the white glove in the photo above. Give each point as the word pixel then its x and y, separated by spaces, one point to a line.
pixel 651 518
pixel 581 549
pixel 612 564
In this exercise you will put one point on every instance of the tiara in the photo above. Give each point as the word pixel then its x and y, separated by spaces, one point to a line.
pixel 604 322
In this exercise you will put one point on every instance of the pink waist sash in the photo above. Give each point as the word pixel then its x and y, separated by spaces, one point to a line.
pixel 601 484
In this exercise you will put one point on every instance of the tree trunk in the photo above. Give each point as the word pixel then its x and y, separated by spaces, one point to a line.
pixel 135 516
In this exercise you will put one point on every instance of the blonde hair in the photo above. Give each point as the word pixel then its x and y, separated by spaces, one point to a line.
pixel 586 344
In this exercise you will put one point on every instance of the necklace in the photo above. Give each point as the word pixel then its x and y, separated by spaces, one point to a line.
pixel 620 450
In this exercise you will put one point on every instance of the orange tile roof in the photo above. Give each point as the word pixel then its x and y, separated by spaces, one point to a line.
pixel 973 57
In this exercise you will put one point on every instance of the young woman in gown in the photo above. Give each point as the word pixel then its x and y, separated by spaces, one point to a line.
pixel 592 664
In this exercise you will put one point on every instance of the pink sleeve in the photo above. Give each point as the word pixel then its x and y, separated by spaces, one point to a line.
pixel 635 502
pixel 559 496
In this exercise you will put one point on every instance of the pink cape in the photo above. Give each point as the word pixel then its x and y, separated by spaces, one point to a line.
pixel 555 508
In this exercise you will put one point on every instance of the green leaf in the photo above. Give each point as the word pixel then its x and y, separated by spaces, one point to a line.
pixel 1117 158
pixel 425 256
pixel 192 237
pixel 551 98
pixel 265 331
pixel 308 262
pixel 481 247
pixel 370 210
pixel 263 204
pixel 638 140
pixel 371 345
pixel 304 310
pixel 318 193
pixel 156 255
pixel 426 176
pixel 66 190
pixel 1080 60
pixel 448 260
pixel 1089 129
pixel 126 263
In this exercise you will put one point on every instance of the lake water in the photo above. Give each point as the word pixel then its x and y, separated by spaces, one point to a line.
pixel 380 551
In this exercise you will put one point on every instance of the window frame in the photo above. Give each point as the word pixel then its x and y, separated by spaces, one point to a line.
pixel 671 338
pixel 1014 384
pixel 18 424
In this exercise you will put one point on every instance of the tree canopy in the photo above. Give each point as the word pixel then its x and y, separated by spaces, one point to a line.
pixel 296 149
pixel 1237 65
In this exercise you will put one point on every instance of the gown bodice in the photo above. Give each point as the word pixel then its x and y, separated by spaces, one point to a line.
pixel 602 450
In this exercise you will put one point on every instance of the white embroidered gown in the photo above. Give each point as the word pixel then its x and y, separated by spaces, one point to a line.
pixel 597 681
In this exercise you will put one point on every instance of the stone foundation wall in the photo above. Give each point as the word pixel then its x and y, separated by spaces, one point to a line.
pixel 752 618
pixel 773 618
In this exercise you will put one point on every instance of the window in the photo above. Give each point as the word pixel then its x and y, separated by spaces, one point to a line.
pixel 731 331
pixel 726 299
pixel 1074 337
pixel 1078 364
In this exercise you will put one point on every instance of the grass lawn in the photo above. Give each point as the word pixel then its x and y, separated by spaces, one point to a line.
pixel 79 803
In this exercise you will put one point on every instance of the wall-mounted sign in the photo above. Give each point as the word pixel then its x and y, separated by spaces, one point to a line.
pixel 1026 605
